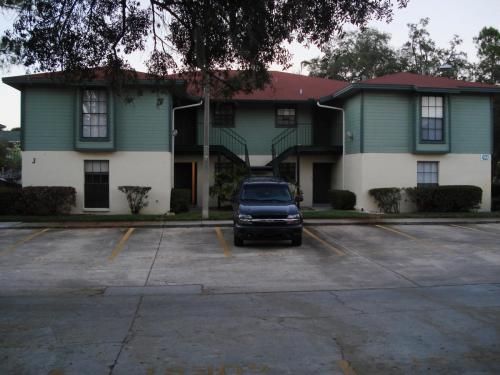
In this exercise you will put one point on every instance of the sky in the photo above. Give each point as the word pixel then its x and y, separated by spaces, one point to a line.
pixel 447 17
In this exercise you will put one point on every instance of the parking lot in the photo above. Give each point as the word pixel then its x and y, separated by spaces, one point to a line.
pixel 353 299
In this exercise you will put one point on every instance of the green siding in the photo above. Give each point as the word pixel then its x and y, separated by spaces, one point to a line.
pixel 387 122
pixel 48 119
pixel 143 124
pixel 256 123
pixel 353 124
pixel 471 124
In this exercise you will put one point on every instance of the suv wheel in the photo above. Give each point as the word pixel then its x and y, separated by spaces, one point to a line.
pixel 297 241
pixel 238 241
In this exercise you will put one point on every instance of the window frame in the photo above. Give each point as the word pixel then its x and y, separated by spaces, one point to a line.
pixel 82 101
pixel 276 116
pixel 443 122
pixel 232 116
pixel 430 184
pixel 85 183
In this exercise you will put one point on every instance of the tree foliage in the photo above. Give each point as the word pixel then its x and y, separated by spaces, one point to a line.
pixel 356 56
pixel 205 35
pixel 367 53
pixel 488 50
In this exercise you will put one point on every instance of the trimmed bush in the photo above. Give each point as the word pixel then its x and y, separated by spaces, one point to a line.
pixel 9 198
pixel 446 198
pixel 136 197
pixel 342 199
pixel 180 200
pixel 46 200
pixel 387 199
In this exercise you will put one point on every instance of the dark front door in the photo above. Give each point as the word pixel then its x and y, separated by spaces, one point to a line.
pixel 185 123
pixel 322 175
pixel 185 178
pixel 322 127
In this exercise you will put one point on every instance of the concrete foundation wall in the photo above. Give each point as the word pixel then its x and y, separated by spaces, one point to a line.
pixel 66 168
pixel 368 171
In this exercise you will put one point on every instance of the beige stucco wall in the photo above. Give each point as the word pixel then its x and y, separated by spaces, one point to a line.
pixel 66 168
pixel 368 171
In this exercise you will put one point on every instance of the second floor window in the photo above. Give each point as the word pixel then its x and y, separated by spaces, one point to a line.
pixel 94 114
pixel 223 115
pixel 286 117
pixel 432 119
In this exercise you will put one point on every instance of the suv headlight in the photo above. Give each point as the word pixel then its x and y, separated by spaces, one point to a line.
pixel 293 219
pixel 244 219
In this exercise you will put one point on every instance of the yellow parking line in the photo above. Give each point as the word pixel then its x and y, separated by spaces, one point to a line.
pixel 397 232
pixel 15 245
pixel 471 228
pixel 119 246
pixel 330 246
pixel 346 367
pixel 223 243
pixel 56 371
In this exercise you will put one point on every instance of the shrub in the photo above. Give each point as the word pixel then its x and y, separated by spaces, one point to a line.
pixel 227 183
pixel 387 199
pixel 180 200
pixel 342 199
pixel 445 198
pixel 136 197
pixel 46 200
pixel 9 198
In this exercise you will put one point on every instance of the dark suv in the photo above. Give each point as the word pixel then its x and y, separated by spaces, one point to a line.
pixel 265 208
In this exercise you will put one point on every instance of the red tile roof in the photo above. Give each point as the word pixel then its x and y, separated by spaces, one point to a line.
pixel 293 87
pixel 283 87
pixel 423 81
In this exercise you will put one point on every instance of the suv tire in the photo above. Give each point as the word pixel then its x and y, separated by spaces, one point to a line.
pixel 297 241
pixel 238 241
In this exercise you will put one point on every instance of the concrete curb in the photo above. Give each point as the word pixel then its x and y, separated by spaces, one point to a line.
pixel 228 223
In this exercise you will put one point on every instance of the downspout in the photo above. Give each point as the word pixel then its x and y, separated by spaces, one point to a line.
pixel 343 137
pixel 172 138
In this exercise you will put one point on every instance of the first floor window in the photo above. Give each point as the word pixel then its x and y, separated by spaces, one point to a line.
pixel 427 173
pixel 287 172
pixel 94 114
pixel 96 184
pixel 432 119
pixel 286 117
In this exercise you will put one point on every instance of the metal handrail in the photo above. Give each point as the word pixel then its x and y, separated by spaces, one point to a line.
pixel 231 140
pixel 291 137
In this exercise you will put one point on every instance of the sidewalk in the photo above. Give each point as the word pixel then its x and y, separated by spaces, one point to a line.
pixel 229 223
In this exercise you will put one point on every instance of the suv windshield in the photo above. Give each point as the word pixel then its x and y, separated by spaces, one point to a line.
pixel 266 193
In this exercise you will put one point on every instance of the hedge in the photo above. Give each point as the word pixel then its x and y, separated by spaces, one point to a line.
pixel 387 199
pixel 445 198
pixel 180 200
pixel 46 200
pixel 342 199
pixel 9 198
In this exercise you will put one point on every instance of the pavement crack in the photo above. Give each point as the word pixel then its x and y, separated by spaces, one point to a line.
pixel 154 258
pixel 127 337
pixel 343 303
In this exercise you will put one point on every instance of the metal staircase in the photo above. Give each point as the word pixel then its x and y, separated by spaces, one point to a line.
pixel 293 141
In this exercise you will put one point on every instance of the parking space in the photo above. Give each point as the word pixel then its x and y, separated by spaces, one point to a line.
pixel 350 300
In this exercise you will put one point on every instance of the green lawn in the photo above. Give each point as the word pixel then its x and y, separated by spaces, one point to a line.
pixel 227 215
